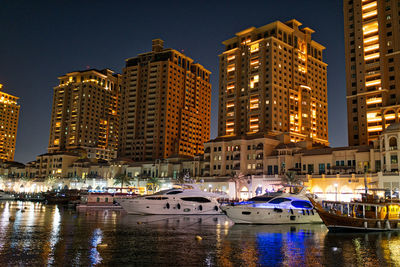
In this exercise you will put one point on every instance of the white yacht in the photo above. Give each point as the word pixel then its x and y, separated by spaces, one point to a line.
pixel 186 199
pixel 6 196
pixel 285 208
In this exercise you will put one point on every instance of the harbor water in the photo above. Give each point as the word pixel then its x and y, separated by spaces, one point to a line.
pixel 36 234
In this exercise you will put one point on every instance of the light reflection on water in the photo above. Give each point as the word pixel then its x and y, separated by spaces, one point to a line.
pixel 51 235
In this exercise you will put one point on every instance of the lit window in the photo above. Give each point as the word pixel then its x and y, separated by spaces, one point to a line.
pixel 254 48
pixel 253 81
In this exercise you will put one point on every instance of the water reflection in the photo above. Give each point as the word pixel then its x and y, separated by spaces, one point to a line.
pixel 271 245
pixel 96 240
pixel 51 235
pixel 363 249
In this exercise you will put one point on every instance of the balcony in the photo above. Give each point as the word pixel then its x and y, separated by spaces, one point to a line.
pixel 236 167
pixel 236 157
pixel 259 167
pixel 260 156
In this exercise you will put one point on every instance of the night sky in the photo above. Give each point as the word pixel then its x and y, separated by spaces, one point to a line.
pixel 41 40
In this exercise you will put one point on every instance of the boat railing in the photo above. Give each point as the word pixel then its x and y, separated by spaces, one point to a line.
pixel 363 210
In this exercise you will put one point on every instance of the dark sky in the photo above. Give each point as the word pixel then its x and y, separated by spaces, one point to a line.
pixel 41 40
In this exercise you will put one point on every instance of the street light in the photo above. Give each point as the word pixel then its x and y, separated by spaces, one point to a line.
pixel 336 192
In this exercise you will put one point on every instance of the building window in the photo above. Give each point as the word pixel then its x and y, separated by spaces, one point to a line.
pixel 321 168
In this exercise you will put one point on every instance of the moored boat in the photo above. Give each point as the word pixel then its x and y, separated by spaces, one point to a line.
pixel 359 216
pixel 6 196
pixel 284 208
pixel 102 201
pixel 185 199
pixel 62 197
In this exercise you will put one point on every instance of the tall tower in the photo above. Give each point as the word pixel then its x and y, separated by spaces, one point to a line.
pixel 9 113
pixel 166 102
pixel 273 79
pixel 85 115
pixel 372 45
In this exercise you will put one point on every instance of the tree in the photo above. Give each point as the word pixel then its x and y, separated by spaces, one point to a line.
pixel 122 179
pixel 154 182
pixel 50 181
pixel 291 178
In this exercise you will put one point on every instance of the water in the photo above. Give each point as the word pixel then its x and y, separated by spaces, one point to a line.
pixel 51 235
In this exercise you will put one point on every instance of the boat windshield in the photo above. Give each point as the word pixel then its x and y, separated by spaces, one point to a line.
pixel 174 192
pixel 168 192
pixel 302 204
pixel 261 198
pixel 196 199
pixel 279 200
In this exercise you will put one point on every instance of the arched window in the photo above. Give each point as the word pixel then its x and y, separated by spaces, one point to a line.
pixel 393 143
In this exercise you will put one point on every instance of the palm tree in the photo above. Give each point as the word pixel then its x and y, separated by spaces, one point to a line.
pixel 122 179
pixel 292 179
pixel 155 183
pixel 50 180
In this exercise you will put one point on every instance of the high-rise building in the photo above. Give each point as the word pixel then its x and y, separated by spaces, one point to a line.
pixel 9 113
pixel 273 79
pixel 372 45
pixel 166 102
pixel 85 115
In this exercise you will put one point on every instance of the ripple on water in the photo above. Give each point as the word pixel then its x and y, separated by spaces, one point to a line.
pixel 51 235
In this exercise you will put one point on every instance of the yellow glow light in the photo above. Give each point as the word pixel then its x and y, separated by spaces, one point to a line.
pixel 373 4
pixel 369 14
pixel 390 116
pixel 374 100
pixel 372 56
pixel 371 39
pixel 374 82
pixel 375 128
pixel 254 47
pixel 230 87
pixel 371 47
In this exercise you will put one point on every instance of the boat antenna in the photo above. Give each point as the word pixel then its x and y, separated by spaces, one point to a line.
pixel 365 181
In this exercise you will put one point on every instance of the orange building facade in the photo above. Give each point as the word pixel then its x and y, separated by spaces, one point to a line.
pixel 85 114
pixel 273 80
pixel 166 104
pixel 372 45
pixel 9 114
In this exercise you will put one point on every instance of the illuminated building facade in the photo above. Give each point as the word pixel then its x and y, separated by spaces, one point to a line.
pixel 372 34
pixel 85 115
pixel 9 112
pixel 273 79
pixel 166 103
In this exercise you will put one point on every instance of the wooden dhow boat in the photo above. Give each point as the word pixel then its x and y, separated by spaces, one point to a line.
pixel 366 215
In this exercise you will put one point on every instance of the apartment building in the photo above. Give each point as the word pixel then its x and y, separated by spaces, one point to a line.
pixel 276 155
pixel 372 34
pixel 9 113
pixel 85 114
pixel 273 79
pixel 166 104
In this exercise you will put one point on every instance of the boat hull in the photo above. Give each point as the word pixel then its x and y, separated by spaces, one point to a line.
pixel 7 197
pixel 341 223
pixel 253 215
pixel 335 221
pixel 170 207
